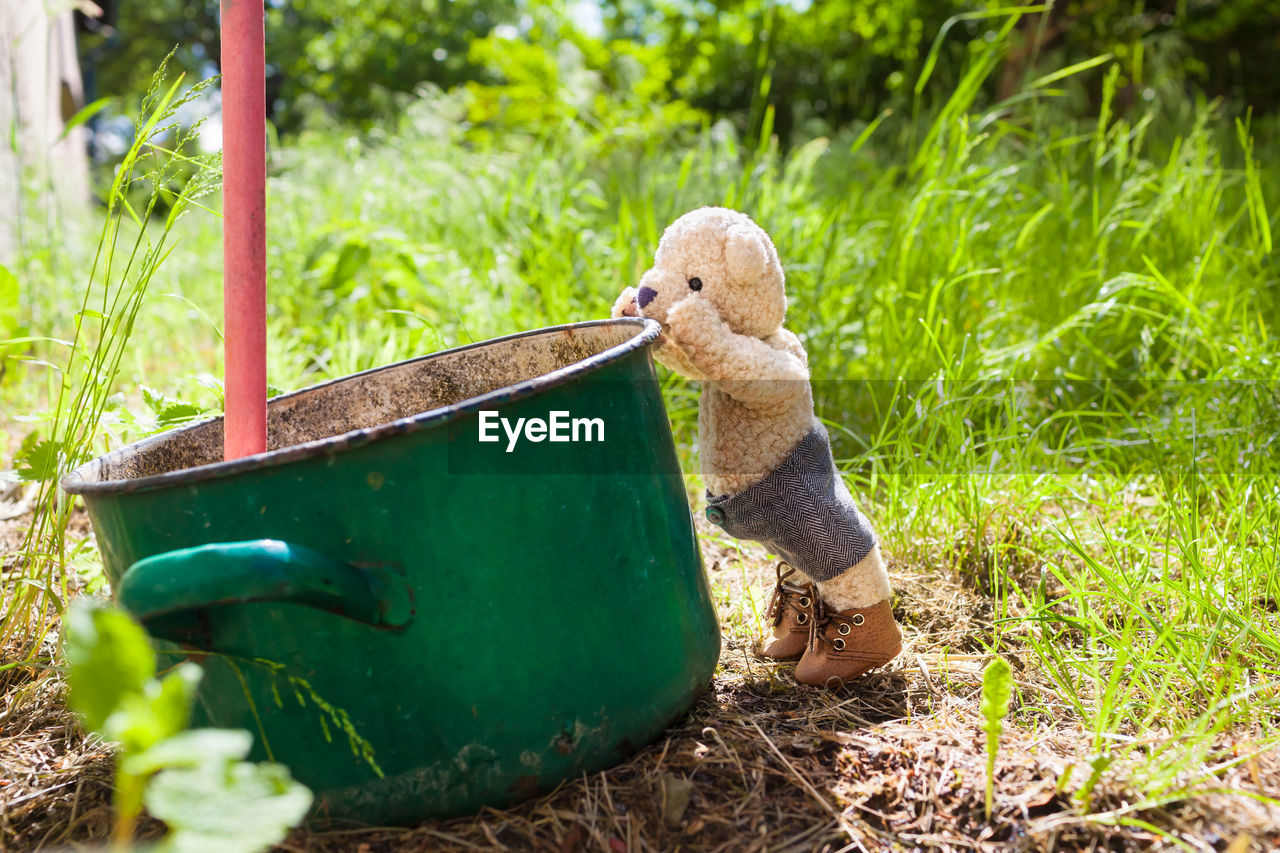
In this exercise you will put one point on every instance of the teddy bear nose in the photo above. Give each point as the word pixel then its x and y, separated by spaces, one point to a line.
pixel 646 295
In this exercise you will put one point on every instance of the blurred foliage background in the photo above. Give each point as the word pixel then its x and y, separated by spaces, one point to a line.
pixel 448 171
pixel 821 64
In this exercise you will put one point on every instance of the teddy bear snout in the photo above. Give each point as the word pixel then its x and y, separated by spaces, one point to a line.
pixel 645 295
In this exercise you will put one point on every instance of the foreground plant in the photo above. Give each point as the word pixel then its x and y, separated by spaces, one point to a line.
pixel 997 689
pixel 128 255
pixel 197 782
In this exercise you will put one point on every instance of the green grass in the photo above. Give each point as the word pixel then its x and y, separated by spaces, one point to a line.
pixel 1045 346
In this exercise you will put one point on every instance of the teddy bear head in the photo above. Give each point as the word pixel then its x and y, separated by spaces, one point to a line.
pixel 722 256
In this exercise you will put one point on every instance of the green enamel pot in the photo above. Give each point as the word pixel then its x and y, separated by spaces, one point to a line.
pixel 417 618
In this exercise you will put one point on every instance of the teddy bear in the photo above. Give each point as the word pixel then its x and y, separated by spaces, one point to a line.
pixel 717 289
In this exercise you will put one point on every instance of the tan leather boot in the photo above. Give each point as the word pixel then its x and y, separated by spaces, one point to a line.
pixel 842 646
pixel 790 610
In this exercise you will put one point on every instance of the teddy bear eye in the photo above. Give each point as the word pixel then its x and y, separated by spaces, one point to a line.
pixel 695 283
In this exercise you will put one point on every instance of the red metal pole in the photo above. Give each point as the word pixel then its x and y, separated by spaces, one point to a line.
pixel 244 233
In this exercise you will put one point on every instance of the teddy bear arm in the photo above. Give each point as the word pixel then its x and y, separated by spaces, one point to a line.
pixel 765 394
pixel 786 340
pixel 787 381
pixel 754 373
pixel 672 357
pixel 730 357
pixel 747 368
pixel 760 376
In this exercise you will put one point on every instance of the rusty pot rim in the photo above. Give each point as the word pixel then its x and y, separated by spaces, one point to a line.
pixel 647 331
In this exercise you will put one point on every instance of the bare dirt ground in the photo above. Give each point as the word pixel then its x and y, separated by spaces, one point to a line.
pixel 895 762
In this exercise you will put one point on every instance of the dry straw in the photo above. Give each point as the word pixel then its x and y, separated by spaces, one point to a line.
pixel 761 764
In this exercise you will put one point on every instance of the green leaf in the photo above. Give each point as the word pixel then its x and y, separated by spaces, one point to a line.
pixel 39 461
pixel 355 256
pixel 178 413
pixel 109 661
pixel 1068 71
pixel 997 690
pixel 8 304
pixel 154 399
pixel 160 710
pixel 167 410
pixel 931 60
pixel 233 808
pixel 188 750
pixel 1097 766
pixel 83 114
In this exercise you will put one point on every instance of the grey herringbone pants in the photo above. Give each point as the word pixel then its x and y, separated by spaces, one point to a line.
pixel 802 511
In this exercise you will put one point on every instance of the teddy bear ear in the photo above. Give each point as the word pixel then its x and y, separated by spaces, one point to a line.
pixel 745 254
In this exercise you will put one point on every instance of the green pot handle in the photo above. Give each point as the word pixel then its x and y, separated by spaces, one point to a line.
pixel 169 592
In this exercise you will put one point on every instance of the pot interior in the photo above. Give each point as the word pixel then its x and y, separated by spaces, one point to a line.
pixel 371 399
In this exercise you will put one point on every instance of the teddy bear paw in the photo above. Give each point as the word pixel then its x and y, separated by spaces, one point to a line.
pixel 692 317
pixel 625 306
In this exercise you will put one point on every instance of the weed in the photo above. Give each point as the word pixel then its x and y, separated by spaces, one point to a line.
pixel 124 263
pixel 997 689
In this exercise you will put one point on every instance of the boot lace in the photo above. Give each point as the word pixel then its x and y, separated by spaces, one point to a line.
pixel 822 618
pixel 790 595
